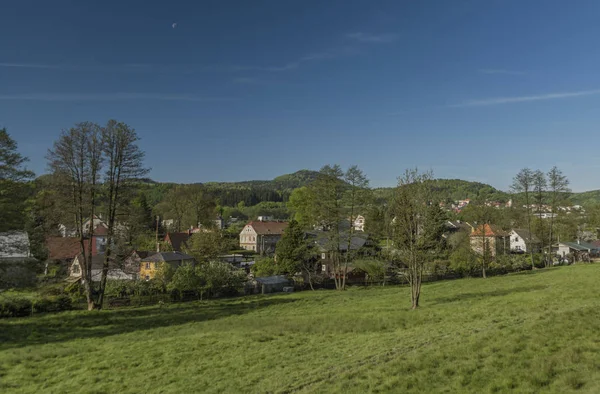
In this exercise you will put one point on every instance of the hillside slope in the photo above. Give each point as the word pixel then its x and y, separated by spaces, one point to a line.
pixel 529 332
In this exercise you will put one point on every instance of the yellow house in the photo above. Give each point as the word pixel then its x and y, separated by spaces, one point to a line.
pixel 150 264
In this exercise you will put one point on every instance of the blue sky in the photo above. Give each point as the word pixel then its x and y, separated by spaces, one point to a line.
pixel 243 90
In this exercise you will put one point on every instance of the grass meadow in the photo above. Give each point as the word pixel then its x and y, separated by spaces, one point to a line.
pixel 529 332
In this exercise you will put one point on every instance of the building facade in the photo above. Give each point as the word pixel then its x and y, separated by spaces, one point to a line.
pixel 261 237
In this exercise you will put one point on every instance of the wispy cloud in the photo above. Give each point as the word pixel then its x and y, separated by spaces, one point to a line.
pixel 31 65
pixel 372 38
pixel 107 97
pixel 521 99
pixel 247 81
pixel 500 71
pixel 309 58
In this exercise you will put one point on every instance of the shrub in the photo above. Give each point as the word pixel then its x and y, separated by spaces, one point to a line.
pixel 15 307
pixel 265 267
pixel 53 304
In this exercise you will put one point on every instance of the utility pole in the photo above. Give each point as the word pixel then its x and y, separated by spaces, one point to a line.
pixel 157 244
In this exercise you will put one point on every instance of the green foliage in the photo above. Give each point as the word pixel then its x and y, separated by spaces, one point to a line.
pixel 20 306
pixel 15 307
pixel 375 269
pixel 301 203
pixel 209 245
pixel 221 278
pixel 293 250
pixel 188 278
pixel 465 262
pixel 14 191
pixel 266 267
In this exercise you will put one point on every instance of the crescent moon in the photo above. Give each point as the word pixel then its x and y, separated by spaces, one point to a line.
pixel 174 25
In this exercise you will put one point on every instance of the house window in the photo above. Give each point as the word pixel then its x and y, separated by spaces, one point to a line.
pixel 147 277
pixel 516 239
pixel 147 266
pixel 76 268
pixel 156 265
pixel 324 268
pixel 323 256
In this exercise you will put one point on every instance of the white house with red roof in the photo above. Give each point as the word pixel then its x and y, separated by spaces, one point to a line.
pixel 261 237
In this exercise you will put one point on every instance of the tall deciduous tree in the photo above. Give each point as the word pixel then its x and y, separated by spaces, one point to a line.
pixel 202 206
pixel 301 203
pixel 357 195
pixel 13 190
pixel 124 166
pixel 207 246
pixel 412 200
pixel 558 186
pixel 76 161
pixel 523 183
pixel 328 194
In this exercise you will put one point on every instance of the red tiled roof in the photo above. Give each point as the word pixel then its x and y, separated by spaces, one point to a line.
pixel 266 228
pixel 60 248
pixel 100 230
pixel 490 231
pixel 177 240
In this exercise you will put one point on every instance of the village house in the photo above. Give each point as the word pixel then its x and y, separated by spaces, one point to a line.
pixel 14 245
pixel 178 241
pixel 360 245
pixel 455 226
pixel 359 223
pixel 581 251
pixel 115 272
pixel 261 237
pixel 496 240
pixel 150 264
pixel 522 241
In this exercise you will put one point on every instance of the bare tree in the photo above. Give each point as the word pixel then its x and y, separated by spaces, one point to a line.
pixel 124 166
pixel 410 206
pixel 523 183
pixel 558 185
pixel 539 189
pixel 76 161
pixel 357 194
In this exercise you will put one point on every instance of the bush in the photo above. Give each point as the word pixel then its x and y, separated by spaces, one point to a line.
pixel 15 307
pixel 265 267
pixel 53 304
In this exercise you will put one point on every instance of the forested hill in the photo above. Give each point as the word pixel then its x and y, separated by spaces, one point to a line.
pixel 253 192
pixel 448 190
pixel 585 198
pixel 280 188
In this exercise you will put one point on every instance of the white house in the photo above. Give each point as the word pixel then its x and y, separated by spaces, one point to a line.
pixel 521 241
pixel 114 272
pixel 359 223
pixel 14 244
pixel 261 237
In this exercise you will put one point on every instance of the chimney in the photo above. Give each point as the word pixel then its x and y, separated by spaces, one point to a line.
pixel 157 247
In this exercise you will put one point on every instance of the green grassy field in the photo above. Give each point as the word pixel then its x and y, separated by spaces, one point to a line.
pixel 530 332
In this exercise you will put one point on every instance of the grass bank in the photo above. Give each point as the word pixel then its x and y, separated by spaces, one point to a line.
pixel 528 332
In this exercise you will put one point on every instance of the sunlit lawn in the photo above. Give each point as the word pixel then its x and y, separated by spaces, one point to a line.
pixel 529 332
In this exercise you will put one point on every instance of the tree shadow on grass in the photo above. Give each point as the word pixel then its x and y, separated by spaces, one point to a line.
pixel 67 326
pixel 485 294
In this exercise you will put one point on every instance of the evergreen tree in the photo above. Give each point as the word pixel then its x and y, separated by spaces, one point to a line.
pixel 293 250
pixel 13 189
